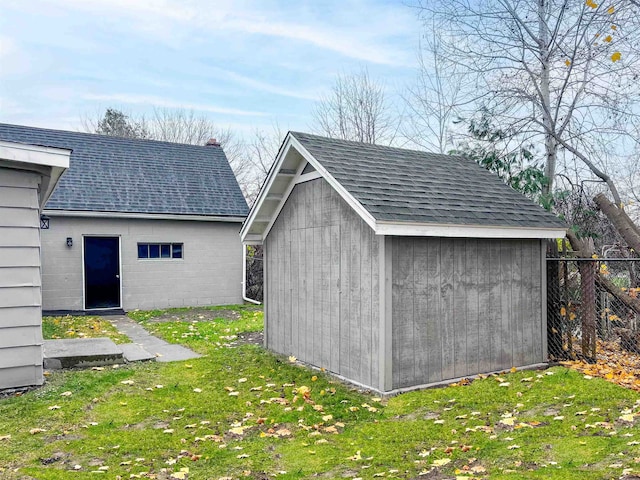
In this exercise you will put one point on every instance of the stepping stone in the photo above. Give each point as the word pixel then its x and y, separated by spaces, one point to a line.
pixel 133 352
pixel 81 353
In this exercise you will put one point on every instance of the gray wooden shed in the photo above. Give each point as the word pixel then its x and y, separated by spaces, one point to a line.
pixel 397 269
pixel 28 175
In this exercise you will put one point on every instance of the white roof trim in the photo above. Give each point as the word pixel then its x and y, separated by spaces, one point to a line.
pixel 283 200
pixel 35 154
pixel 142 216
pixel 465 231
pixel 307 177
pixel 57 159
pixel 262 196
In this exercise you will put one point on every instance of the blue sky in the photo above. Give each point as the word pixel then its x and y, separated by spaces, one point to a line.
pixel 244 64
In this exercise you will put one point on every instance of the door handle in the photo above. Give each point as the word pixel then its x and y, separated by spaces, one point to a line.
pixel 117 276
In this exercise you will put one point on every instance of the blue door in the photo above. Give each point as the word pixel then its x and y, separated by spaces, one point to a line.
pixel 101 272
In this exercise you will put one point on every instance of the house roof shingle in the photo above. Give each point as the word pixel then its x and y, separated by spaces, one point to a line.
pixel 398 185
pixel 112 174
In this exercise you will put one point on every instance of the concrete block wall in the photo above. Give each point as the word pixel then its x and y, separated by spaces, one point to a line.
pixel 210 272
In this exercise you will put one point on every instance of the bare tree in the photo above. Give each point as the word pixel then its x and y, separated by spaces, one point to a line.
pixel 559 72
pixel 356 109
pixel 259 152
pixel 181 126
pixel 435 102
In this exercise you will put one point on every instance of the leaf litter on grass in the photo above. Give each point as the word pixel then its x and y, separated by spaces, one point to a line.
pixel 613 364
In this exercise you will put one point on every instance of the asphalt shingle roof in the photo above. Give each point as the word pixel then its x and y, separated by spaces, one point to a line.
pixel 399 185
pixel 111 174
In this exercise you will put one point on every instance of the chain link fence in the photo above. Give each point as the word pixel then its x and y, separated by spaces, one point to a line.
pixel 593 303
pixel 254 274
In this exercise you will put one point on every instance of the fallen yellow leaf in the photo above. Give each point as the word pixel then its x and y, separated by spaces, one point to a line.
pixel 627 418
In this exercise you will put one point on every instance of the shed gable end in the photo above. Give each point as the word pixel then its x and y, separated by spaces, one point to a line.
pixel 321 269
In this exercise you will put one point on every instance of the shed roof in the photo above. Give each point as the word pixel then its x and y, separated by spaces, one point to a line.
pixel 408 192
pixel 133 176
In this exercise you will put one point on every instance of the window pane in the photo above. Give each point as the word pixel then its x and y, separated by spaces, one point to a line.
pixel 154 250
pixel 177 250
pixel 165 250
pixel 143 250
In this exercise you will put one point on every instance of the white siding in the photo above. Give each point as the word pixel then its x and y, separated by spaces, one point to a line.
pixel 209 274
pixel 20 297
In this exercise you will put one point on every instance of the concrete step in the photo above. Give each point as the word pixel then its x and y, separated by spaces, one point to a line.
pixel 92 352
pixel 133 352
pixel 81 353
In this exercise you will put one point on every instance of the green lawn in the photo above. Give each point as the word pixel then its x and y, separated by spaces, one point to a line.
pixel 241 412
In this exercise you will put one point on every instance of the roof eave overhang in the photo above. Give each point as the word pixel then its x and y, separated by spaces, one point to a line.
pixel 50 162
pixel 142 216
pixel 466 231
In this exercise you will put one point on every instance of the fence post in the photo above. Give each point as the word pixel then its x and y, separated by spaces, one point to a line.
pixel 587 270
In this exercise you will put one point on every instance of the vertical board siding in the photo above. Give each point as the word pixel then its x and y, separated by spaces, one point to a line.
pixel 459 308
pixel 323 284
pixel 20 294
pixel 446 307
pixel 485 305
pixel 464 306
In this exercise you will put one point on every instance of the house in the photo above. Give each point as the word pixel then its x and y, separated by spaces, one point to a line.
pixel 28 175
pixel 397 269
pixel 138 224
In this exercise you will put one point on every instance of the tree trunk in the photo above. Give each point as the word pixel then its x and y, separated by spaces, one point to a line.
pixel 578 245
pixel 550 144
pixel 627 300
pixel 584 248
pixel 620 221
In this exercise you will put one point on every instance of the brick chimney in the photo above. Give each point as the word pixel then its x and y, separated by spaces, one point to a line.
pixel 212 142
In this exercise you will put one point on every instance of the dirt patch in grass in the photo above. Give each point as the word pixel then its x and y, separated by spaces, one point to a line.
pixel 56 457
pixel 197 315
pixel 250 338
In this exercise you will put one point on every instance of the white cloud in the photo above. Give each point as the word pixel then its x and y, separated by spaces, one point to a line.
pixel 163 102
pixel 358 30
pixel 7 46
pixel 263 86
pixel 345 43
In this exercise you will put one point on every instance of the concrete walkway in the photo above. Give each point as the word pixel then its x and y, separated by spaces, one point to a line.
pixel 90 352
pixel 161 350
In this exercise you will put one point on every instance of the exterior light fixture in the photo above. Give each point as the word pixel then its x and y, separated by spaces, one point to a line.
pixel 69 242
pixel 44 222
